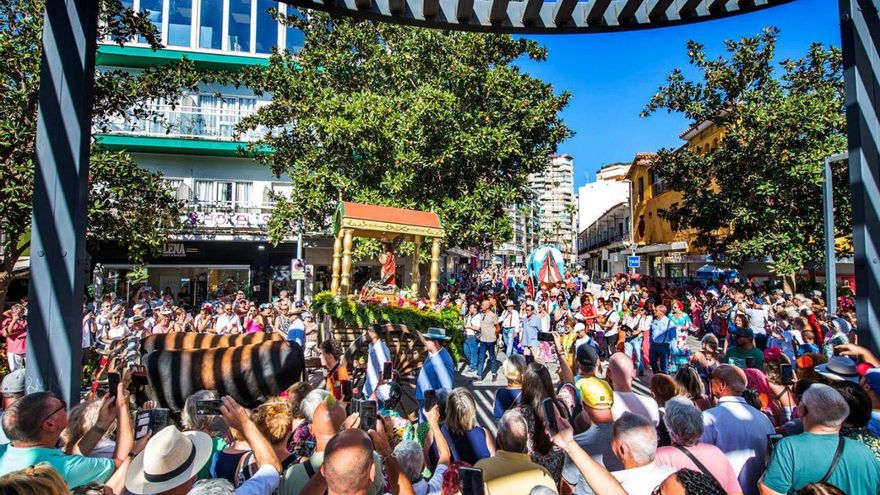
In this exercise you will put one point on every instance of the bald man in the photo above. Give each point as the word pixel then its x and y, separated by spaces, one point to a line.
pixel 737 428
pixel 327 420
pixel 621 372
pixel 348 463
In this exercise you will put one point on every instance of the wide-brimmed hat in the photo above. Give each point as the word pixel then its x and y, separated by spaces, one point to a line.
pixel 436 334
pixel 839 368
pixel 13 383
pixel 170 459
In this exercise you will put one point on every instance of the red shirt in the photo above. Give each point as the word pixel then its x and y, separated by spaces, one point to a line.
pixel 16 335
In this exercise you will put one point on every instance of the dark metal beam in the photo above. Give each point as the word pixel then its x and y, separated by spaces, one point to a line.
pixel 860 28
pixel 430 8
pixel 628 11
pixel 562 11
pixel 717 5
pixel 397 7
pixel 689 8
pixel 464 9
pixel 363 4
pixel 531 11
pixel 498 11
pixel 58 260
pixel 658 11
pixel 597 11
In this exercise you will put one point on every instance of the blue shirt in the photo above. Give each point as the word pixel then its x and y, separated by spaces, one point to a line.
pixel 76 470
pixel 874 423
pixel 531 327
pixel 504 399
pixel 437 372
pixel 662 330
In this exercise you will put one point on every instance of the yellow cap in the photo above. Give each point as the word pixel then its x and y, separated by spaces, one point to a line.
pixel 595 392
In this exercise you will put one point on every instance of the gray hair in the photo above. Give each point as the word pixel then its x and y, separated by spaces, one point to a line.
pixel 311 402
pixel 825 405
pixel 192 421
pixel 220 486
pixel 639 435
pixel 684 421
pixel 542 490
pixel 513 432
pixel 411 459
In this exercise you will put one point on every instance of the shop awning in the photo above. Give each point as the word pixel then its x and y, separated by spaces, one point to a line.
pixel 385 222
pixel 662 248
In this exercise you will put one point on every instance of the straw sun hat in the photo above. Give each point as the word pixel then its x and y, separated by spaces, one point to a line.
pixel 170 459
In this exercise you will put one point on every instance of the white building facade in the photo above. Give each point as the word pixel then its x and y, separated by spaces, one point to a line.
pixel 557 210
pixel 604 223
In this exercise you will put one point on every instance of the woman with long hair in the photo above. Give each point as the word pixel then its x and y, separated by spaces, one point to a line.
pixel 757 380
pixel 537 385
pixel 467 441
pixel 692 383
pixel 774 359
pixel 707 358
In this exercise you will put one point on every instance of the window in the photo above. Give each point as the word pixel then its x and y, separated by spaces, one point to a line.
pixel 267 27
pixel 153 10
pixel 641 189
pixel 211 24
pixel 239 38
pixel 179 22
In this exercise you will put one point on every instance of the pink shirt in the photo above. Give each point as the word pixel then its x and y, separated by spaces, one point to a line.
pixel 711 456
pixel 16 335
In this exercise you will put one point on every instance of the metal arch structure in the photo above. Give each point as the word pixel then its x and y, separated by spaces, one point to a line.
pixel 537 16
pixel 59 261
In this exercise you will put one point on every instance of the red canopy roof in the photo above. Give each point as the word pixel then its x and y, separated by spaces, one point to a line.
pixel 391 215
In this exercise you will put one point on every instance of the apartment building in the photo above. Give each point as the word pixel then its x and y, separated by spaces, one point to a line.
pixel 554 192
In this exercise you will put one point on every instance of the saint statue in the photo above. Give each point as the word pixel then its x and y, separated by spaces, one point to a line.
pixel 388 275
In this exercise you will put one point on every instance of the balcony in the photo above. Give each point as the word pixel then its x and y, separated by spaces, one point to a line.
pixel 189 122
pixel 225 216
pixel 588 241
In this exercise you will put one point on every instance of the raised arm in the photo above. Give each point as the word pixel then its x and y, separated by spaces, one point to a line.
pixel 599 479
pixel 237 417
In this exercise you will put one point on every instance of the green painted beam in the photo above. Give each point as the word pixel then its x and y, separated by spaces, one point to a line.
pixel 140 57
pixel 169 145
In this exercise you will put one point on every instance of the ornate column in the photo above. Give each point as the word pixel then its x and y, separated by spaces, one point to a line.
pixel 345 278
pixel 417 245
pixel 435 269
pixel 337 256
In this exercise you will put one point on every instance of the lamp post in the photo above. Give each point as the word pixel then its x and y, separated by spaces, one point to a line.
pixel 828 212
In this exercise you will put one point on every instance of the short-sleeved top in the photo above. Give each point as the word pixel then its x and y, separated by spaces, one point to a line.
pixel 487 326
pixel 76 470
pixel 802 459
pixel 641 405
pixel 709 456
pixel 505 398
pixel 333 382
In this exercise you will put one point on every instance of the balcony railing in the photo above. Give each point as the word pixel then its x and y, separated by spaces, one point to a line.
pixel 180 121
pixel 594 240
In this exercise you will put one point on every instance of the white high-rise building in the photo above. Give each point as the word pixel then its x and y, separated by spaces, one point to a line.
pixel 554 190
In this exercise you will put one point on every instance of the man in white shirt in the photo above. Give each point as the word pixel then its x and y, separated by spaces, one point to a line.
pixel 227 322
pixel 509 325
pixel 634 442
pixel 472 323
pixel 377 355
pixel 610 319
pixel 735 427
pixel 620 374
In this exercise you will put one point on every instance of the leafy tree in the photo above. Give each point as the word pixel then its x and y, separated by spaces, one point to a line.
pixel 127 204
pixel 405 117
pixel 760 192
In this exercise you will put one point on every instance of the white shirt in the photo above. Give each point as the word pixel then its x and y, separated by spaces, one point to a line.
pixel 227 324
pixel 613 317
pixel 757 318
pixel 510 319
pixel 740 431
pixel 473 321
pixel 642 480
pixel 378 354
pixel 642 405
pixel 264 482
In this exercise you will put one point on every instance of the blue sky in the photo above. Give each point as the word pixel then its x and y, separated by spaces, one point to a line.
pixel 612 76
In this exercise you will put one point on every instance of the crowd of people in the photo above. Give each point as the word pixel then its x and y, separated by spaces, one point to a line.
pixel 602 389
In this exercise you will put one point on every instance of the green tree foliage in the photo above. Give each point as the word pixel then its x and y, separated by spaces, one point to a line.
pixel 127 204
pixel 405 117
pixel 760 192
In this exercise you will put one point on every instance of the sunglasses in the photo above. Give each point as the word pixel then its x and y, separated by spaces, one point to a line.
pixel 63 406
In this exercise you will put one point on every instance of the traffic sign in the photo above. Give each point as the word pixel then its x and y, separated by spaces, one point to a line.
pixel 633 262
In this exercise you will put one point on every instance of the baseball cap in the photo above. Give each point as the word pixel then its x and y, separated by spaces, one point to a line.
pixel 596 393
pixel 872 376
pixel 579 327
pixel 13 383
pixel 587 357
pixel 744 332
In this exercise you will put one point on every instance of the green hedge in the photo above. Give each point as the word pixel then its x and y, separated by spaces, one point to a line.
pixel 361 315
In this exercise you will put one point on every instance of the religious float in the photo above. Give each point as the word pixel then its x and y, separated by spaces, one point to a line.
pixel 402 313
pixel 546 266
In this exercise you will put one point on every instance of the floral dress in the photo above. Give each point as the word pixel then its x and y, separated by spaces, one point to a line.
pixel 555 459
pixel 679 351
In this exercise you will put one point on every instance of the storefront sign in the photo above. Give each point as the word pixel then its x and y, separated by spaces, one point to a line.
pixel 227 220
pixel 297 269
pixel 177 250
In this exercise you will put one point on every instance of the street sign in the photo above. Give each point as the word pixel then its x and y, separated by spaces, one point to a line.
pixel 297 269
pixel 633 262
